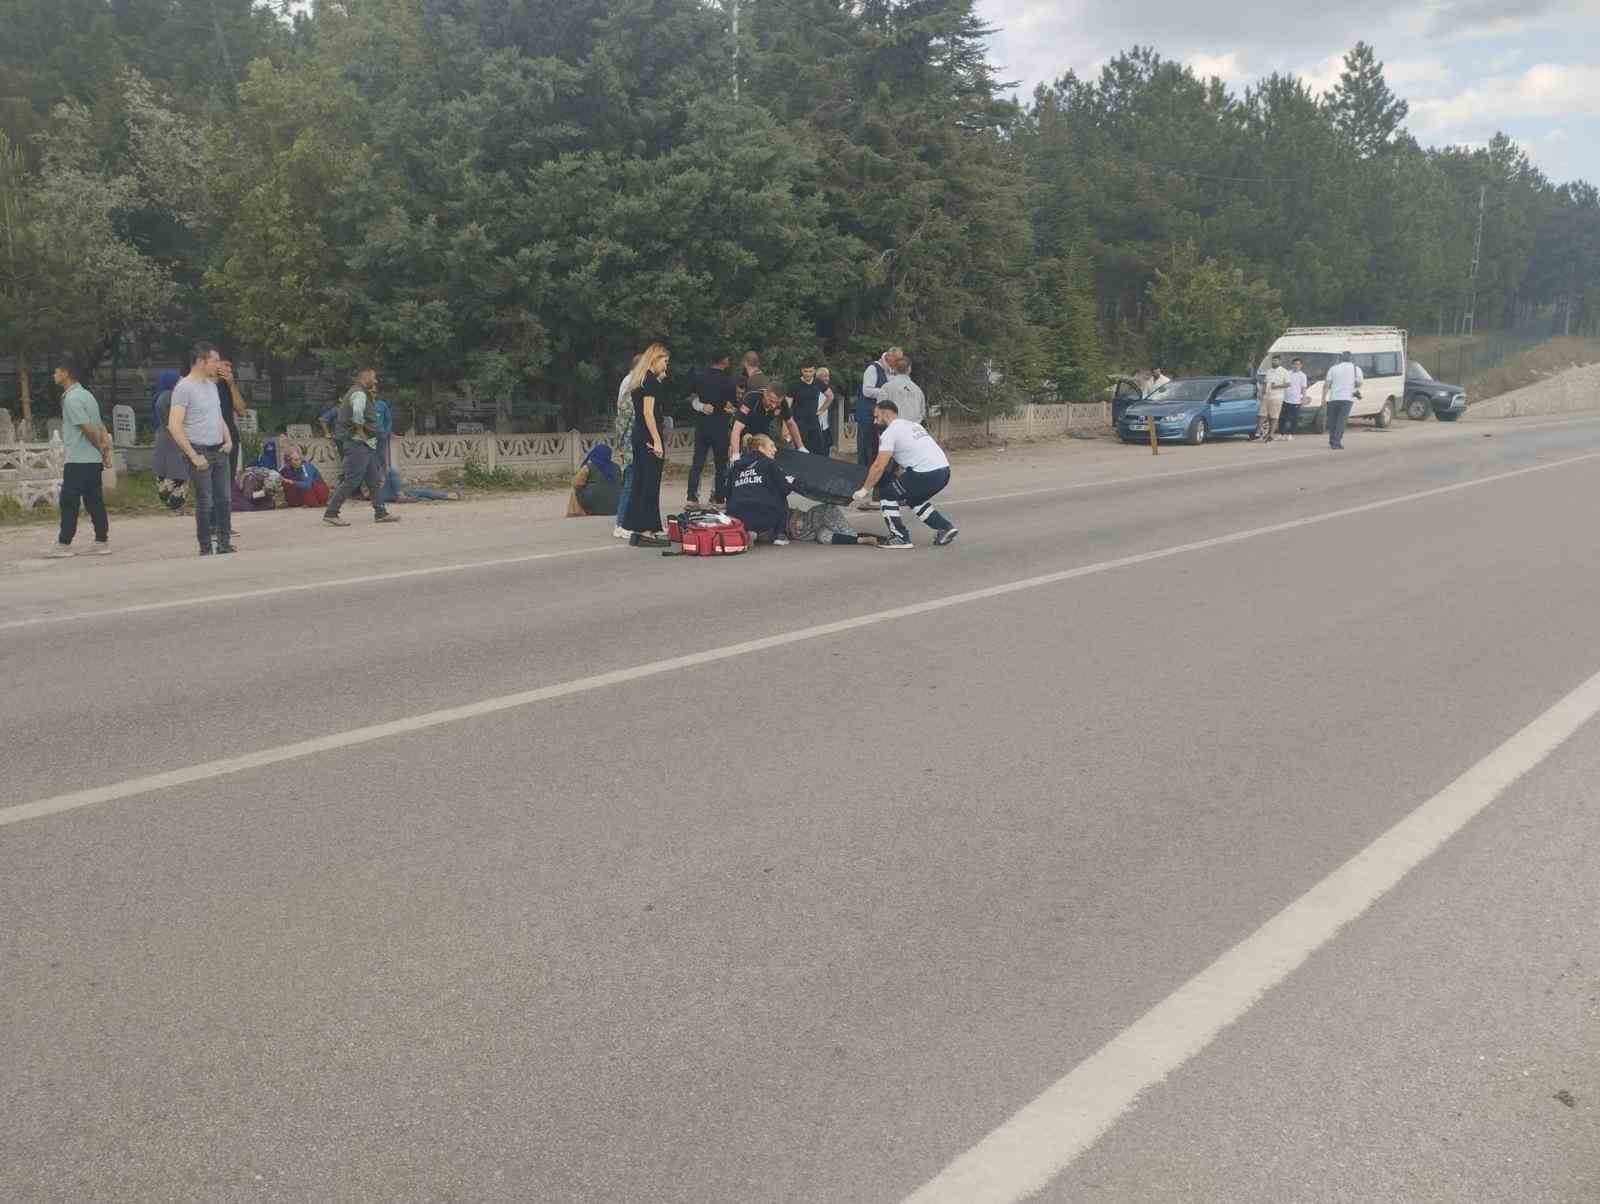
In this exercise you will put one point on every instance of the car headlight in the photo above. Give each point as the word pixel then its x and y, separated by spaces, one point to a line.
pixel 1184 417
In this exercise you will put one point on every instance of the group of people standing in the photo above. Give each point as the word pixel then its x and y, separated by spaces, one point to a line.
pixel 738 423
pixel 1284 392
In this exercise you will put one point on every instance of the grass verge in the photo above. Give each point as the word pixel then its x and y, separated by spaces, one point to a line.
pixel 135 494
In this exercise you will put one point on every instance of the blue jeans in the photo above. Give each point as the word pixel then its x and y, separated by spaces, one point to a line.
pixel 627 492
pixel 213 497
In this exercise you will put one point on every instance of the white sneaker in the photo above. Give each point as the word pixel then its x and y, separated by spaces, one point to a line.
pixel 100 549
pixel 780 543
pixel 620 533
pixel 1290 438
pixel 895 542
pixel 58 551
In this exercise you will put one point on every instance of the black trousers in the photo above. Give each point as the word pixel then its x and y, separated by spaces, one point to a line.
pixel 1290 418
pixel 866 442
pixel 715 442
pixel 81 483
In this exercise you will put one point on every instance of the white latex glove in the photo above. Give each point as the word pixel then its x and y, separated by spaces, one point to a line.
pixel 859 495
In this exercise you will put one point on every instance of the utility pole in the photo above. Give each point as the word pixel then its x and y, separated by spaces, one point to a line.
pixel 1477 256
pixel 735 5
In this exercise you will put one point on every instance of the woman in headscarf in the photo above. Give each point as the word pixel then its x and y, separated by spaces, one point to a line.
pixel 170 464
pixel 302 483
pixel 597 485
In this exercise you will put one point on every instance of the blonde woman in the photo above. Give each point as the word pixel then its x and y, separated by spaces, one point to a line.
pixel 643 517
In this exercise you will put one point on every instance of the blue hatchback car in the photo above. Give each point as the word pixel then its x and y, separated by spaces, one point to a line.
pixel 1194 410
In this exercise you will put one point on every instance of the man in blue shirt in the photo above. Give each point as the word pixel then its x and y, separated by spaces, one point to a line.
pixel 87 445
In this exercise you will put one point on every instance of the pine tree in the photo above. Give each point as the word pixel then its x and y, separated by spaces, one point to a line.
pixel 1364 109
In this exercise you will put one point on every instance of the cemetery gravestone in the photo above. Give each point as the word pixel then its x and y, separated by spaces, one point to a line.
pixel 124 427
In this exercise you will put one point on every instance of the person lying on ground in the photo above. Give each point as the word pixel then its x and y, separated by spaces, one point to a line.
pixel 825 524
pixel 397 491
pixel 597 486
pixel 302 483
pixel 758 492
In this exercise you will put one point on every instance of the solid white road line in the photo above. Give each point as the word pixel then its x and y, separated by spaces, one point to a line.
pixel 1024 1154
pixel 499 562
pixel 301 587
pixel 16 813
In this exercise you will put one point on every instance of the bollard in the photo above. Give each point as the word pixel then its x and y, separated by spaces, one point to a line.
pixel 1155 443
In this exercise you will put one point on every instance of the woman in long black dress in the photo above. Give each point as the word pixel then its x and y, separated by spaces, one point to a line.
pixel 643 517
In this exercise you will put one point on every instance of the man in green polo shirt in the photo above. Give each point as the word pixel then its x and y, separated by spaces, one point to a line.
pixel 88 451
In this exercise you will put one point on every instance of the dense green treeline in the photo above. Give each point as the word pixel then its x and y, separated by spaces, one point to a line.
pixel 509 197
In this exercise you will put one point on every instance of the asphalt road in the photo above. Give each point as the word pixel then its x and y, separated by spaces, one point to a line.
pixel 895 844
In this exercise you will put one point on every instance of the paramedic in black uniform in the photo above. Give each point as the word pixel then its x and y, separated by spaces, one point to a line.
pixel 763 412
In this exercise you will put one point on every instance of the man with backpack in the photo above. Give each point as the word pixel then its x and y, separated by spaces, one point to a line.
pixel 867 398
pixel 356 428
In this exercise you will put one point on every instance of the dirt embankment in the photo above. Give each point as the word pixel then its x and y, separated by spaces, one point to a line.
pixel 1575 390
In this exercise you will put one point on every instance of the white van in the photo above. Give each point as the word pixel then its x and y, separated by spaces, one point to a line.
pixel 1379 351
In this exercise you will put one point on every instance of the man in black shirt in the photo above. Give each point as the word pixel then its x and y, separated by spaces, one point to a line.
pixel 717 396
pixel 807 397
pixel 763 412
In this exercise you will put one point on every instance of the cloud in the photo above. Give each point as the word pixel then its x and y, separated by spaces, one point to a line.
pixel 1224 66
pixel 1479 18
pixel 1544 90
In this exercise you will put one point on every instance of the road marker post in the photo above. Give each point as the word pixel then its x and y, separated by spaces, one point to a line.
pixel 1155 444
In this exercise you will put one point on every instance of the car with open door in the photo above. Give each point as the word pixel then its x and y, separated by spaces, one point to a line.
pixel 1194 410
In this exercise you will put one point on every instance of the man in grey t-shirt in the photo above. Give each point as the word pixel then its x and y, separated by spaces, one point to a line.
pixel 196 426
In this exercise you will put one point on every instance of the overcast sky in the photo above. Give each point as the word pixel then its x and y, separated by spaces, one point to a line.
pixel 1468 67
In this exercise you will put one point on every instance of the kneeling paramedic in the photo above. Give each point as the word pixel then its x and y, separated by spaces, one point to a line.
pixel 924 471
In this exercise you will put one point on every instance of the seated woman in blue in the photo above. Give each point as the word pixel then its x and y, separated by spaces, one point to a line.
pixel 758 493
pixel 597 485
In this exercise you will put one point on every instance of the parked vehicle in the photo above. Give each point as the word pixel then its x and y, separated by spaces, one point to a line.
pixel 1379 351
pixel 1424 394
pixel 1194 410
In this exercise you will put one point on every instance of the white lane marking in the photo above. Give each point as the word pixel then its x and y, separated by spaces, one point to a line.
pixel 300 587
pixel 1024 1154
pixel 17 812
pixel 467 566
pixel 401 574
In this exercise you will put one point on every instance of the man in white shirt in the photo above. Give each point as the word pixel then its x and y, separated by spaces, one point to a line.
pixel 1340 389
pixel 924 471
pixel 1160 378
pixel 1272 398
pixel 1292 397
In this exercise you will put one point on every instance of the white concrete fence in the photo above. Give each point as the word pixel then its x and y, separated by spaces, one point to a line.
pixel 30 472
pixel 419 457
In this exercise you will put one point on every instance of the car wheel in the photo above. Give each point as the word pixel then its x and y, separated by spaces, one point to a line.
pixel 1198 430
pixel 1384 417
pixel 1450 417
pixel 1320 422
pixel 1417 407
